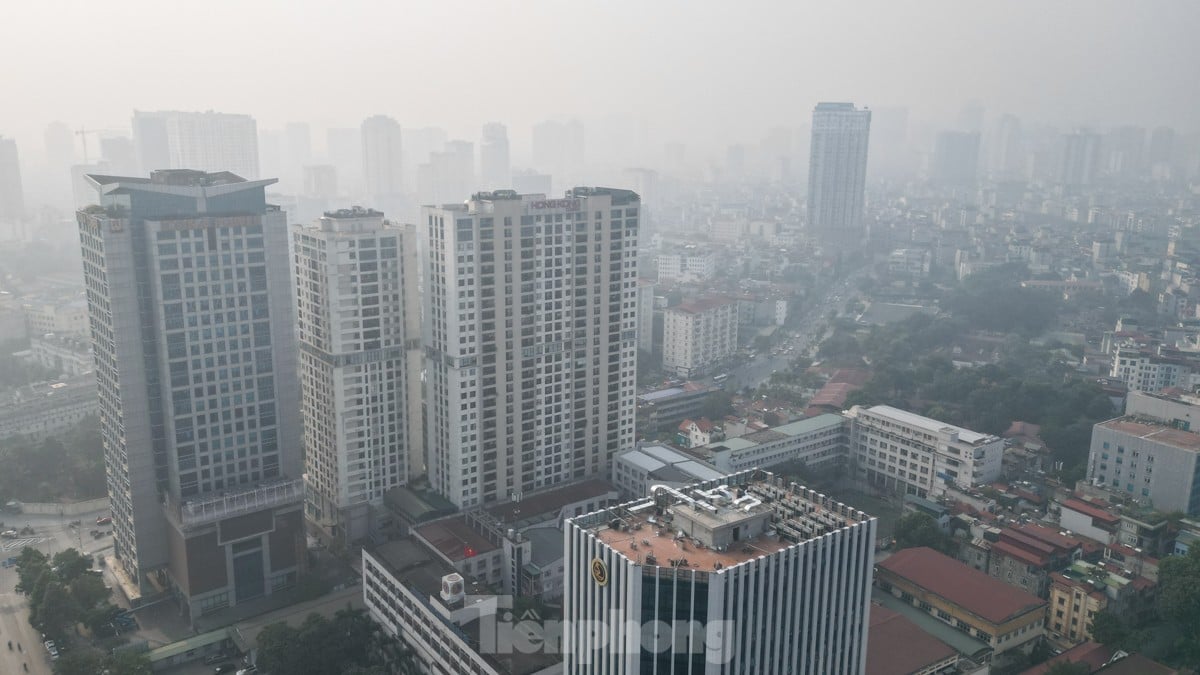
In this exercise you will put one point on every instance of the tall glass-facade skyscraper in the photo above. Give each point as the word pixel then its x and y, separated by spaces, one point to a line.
pixel 190 304
pixel 837 173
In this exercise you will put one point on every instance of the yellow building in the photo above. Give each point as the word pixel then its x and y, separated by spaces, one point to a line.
pixel 1074 602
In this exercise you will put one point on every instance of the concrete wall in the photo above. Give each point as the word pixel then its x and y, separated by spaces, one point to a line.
pixel 72 509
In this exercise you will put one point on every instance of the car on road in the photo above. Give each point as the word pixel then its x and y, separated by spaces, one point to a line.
pixel 104 520
pixel 9 534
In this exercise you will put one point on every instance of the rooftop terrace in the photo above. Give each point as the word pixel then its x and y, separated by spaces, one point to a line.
pixel 719 523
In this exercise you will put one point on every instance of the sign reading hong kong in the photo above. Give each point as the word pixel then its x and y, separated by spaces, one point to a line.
pixel 568 204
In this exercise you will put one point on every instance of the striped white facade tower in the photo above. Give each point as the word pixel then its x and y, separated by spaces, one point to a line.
pixel 745 574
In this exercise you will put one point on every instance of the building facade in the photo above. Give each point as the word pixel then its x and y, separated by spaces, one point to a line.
pixel 203 141
pixel 699 334
pixel 1149 461
pixel 837 173
pixel 382 157
pixel 44 409
pixel 911 454
pixel 190 302
pixel 530 335
pixel 1003 617
pixel 719 564
pixel 358 318
pixel 12 193
pixel 495 166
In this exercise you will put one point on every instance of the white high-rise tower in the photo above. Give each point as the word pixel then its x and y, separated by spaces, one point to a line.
pixel 359 332
pixel 530 333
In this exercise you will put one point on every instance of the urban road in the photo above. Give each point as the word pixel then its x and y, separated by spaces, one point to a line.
pixel 51 534
pixel 804 343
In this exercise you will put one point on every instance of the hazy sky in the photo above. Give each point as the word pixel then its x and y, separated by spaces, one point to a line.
pixel 725 70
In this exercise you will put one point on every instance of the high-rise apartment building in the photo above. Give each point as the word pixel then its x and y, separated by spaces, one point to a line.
pixel 746 573
pixel 202 141
pixel 837 173
pixel 530 333
pixel 558 149
pixel 359 331
pixel 190 304
pixel 699 334
pixel 449 173
pixel 495 165
pixel 1079 159
pixel 381 156
pixel 12 196
pixel 955 159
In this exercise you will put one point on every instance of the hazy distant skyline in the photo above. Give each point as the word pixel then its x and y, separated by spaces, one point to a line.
pixel 721 72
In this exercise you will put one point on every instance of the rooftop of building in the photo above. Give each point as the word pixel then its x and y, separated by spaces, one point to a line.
pixel 801 427
pixel 718 524
pixel 1095 511
pixel 668 464
pixel 897 646
pixel 454 538
pixel 964 643
pixel 699 305
pixel 972 590
pixel 1153 430
pixel 180 177
pixel 547 504
pixel 422 572
pixel 930 425
pixel 354 212
pixel 1094 654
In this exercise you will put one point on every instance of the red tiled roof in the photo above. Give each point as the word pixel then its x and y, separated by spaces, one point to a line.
pixel 1136 664
pixel 1095 512
pixel 897 646
pixel 852 376
pixel 1093 654
pixel 1048 535
pixel 1013 551
pixel 974 591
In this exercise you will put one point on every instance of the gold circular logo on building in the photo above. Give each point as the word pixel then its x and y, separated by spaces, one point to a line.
pixel 599 571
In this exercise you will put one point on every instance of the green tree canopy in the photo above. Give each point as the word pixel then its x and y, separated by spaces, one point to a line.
pixel 920 529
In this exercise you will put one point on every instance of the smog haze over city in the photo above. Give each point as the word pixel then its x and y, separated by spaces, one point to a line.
pixel 557 338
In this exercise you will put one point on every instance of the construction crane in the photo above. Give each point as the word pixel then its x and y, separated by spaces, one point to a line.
pixel 83 134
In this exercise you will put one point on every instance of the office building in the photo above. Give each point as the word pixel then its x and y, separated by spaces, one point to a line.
pixel 699 335
pixel 12 195
pixel 381 156
pixel 495 166
pixel 1006 152
pixel 201 141
pixel 449 173
pixel 190 302
pixel 910 454
pixel 320 181
pixel 359 326
pixel 1147 460
pixel 837 174
pixel 530 332
pixel 68 354
pixel 955 159
pixel 721 565
pixel 344 150
pixel 1079 159
pixel 43 409
pixel 558 149
pixel 1003 617
pixel 639 469
pixel 817 443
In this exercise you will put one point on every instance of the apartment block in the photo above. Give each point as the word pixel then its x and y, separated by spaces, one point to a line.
pixel 530 334
pixel 360 365
pixel 699 334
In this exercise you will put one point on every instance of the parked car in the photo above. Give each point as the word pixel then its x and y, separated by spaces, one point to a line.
pixel 52 649
pixel 224 668
pixel 104 520
pixel 9 534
